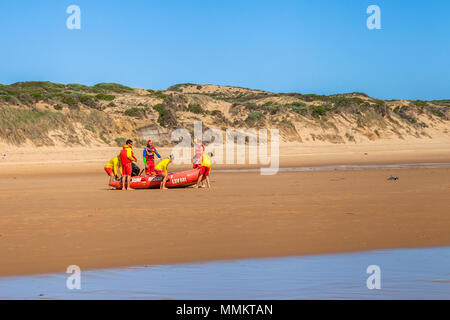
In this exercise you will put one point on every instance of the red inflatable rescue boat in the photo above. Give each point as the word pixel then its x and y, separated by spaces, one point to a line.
pixel 174 180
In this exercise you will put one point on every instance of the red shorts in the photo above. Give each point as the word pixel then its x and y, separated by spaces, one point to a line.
pixel 109 171
pixel 204 171
pixel 126 169
pixel 150 167
pixel 158 172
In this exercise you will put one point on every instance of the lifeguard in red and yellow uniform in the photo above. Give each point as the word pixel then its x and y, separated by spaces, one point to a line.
pixel 199 149
pixel 113 168
pixel 149 157
pixel 205 169
pixel 127 157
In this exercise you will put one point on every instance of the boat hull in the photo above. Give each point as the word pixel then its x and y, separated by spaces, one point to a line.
pixel 175 180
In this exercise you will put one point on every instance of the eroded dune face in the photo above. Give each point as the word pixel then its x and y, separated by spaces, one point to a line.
pixel 49 114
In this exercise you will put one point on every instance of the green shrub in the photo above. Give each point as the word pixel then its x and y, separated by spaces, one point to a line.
pixel 216 113
pixel 105 97
pixel 79 87
pixel 85 98
pixel 44 85
pixel 319 111
pixel 178 87
pixel 157 93
pixel 255 115
pixel 69 100
pixel 439 112
pixel 195 108
pixel 420 103
pixel 37 95
pixel 135 112
pixel 165 118
pixel 297 107
pixel 160 95
pixel 114 87
pixel 442 102
pixel 343 101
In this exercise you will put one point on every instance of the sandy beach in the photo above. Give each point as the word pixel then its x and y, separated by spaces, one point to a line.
pixel 55 214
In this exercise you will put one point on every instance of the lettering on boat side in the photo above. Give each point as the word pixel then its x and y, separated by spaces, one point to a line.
pixel 178 180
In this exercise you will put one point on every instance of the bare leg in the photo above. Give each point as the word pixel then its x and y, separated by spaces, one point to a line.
pixel 199 181
pixel 128 181
pixel 124 181
pixel 207 182
pixel 163 184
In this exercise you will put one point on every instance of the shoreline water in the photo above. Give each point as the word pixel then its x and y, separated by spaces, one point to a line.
pixel 404 274
pixel 327 168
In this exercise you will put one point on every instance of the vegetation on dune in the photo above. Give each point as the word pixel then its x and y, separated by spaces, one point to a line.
pixel 405 113
pixel 112 87
pixel 29 93
pixel 216 113
pixel 78 112
pixel 135 112
pixel 166 117
pixel 298 107
pixel 240 97
pixel 420 103
pixel 319 111
pixel 157 93
pixel 17 125
pixel 106 97
pixel 441 112
pixel 195 108
pixel 442 102
pixel 254 118
pixel 179 87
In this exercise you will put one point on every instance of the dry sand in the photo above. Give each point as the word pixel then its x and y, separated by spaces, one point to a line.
pixel 58 214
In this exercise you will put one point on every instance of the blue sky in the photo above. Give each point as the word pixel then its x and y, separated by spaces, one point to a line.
pixel 302 46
